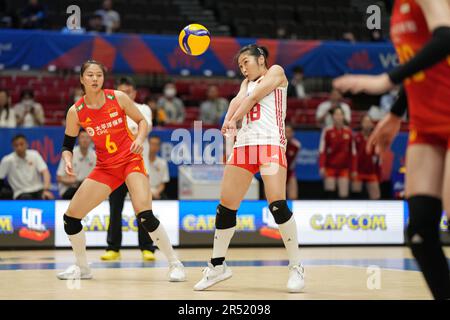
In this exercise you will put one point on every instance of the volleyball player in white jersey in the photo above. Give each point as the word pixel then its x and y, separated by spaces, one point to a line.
pixel 260 146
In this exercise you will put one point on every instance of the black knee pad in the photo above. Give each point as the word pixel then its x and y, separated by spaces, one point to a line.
pixel 72 225
pixel 424 219
pixel 148 220
pixel 280 211
pixel 225 218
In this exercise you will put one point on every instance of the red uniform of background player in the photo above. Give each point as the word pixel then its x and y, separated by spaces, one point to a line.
pixel 293 147
pixel 337 158
pixel 368 165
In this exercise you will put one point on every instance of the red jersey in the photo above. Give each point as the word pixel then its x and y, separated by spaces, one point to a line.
pixel 108 129
pixel 337 149
pixel 292 148
pixel 366 163
pixel 428 91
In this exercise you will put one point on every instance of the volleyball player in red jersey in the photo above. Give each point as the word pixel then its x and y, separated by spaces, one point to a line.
pixel 293 147
pixel 368 164
pixel 420 31
pixel 337 156
pixel 102 113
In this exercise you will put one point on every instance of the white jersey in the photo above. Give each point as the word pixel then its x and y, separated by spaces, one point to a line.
pixel 264 123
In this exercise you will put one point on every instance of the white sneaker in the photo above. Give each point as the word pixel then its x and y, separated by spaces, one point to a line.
pixel 213 275
pixel 176 272
pixel 74 272
pixel 296 280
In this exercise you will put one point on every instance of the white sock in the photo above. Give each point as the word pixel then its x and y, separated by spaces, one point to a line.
pixel 222 238
pixel 78 242
pixel 161 239
pixel 288 232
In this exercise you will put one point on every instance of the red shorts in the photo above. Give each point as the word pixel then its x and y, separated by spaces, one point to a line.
pixel 114 177
pixel 434 139
pixel 337 173
pixel 367 177
pixel 251 158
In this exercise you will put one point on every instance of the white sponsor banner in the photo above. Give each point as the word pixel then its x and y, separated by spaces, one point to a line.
pixel 97 221
pixel 349 222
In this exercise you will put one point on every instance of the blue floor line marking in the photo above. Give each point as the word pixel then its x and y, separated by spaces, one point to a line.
pixel 396 264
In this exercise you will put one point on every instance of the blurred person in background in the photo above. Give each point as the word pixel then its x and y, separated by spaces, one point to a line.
pixel 34 15
pixel 368 164
pixel 212 110
pixel 29 113
pixel 337 158
pixel 26 171
pixel 7 114
pixel 293 147
pixel 110 17
pixel 84 159
pixel 172 105
pixel 323 114
pixel 158 114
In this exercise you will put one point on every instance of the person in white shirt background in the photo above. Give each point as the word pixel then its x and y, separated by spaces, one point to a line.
pixel 29 113
pixel 26 171
pixel 323 114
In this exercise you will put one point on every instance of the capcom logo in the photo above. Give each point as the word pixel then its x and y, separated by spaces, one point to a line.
pixel 352 222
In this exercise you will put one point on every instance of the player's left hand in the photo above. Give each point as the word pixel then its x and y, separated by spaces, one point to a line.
pixel 137 146
pixel 363 84
pixel 229 128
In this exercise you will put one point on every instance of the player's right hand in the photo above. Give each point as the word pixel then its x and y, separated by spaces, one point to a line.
pixel 229 128
pixel 384 133
pixel 69 169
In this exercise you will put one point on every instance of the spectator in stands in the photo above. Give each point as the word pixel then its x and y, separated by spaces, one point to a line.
pixel 34 15
pixel 158 114
pixel 171 104
pixel 212 110
pixel 77 94
pixel 296 87
pixel 7 17
pixel 110 17
pixel 95 24
pixel 349 36
pixel 7 114
pixel 323 115
pixel 292 149
pixel 26 171
pixel 29 113
pixel 84 159
pixel 159 170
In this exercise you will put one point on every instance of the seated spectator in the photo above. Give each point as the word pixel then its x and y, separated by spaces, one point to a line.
pixel 159 170
pixel 34 15
pixel 95 24
pixel 296 87
pixel 158 114
pixel 7 17
pixel 26 171
pixel 7 114
pixel 212 110
pixel 172 105
pixel 29 113
pixel 323 115
pixel 110 18
pixel 349 36
pixel 83 162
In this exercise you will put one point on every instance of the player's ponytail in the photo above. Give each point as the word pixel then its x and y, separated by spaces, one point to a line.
pixel 254 50
pixel 86 65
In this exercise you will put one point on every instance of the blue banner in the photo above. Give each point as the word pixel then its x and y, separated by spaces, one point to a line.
pixel 126 53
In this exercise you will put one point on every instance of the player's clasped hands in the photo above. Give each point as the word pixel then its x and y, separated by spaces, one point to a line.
pixel 229 128
pixel 137 146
